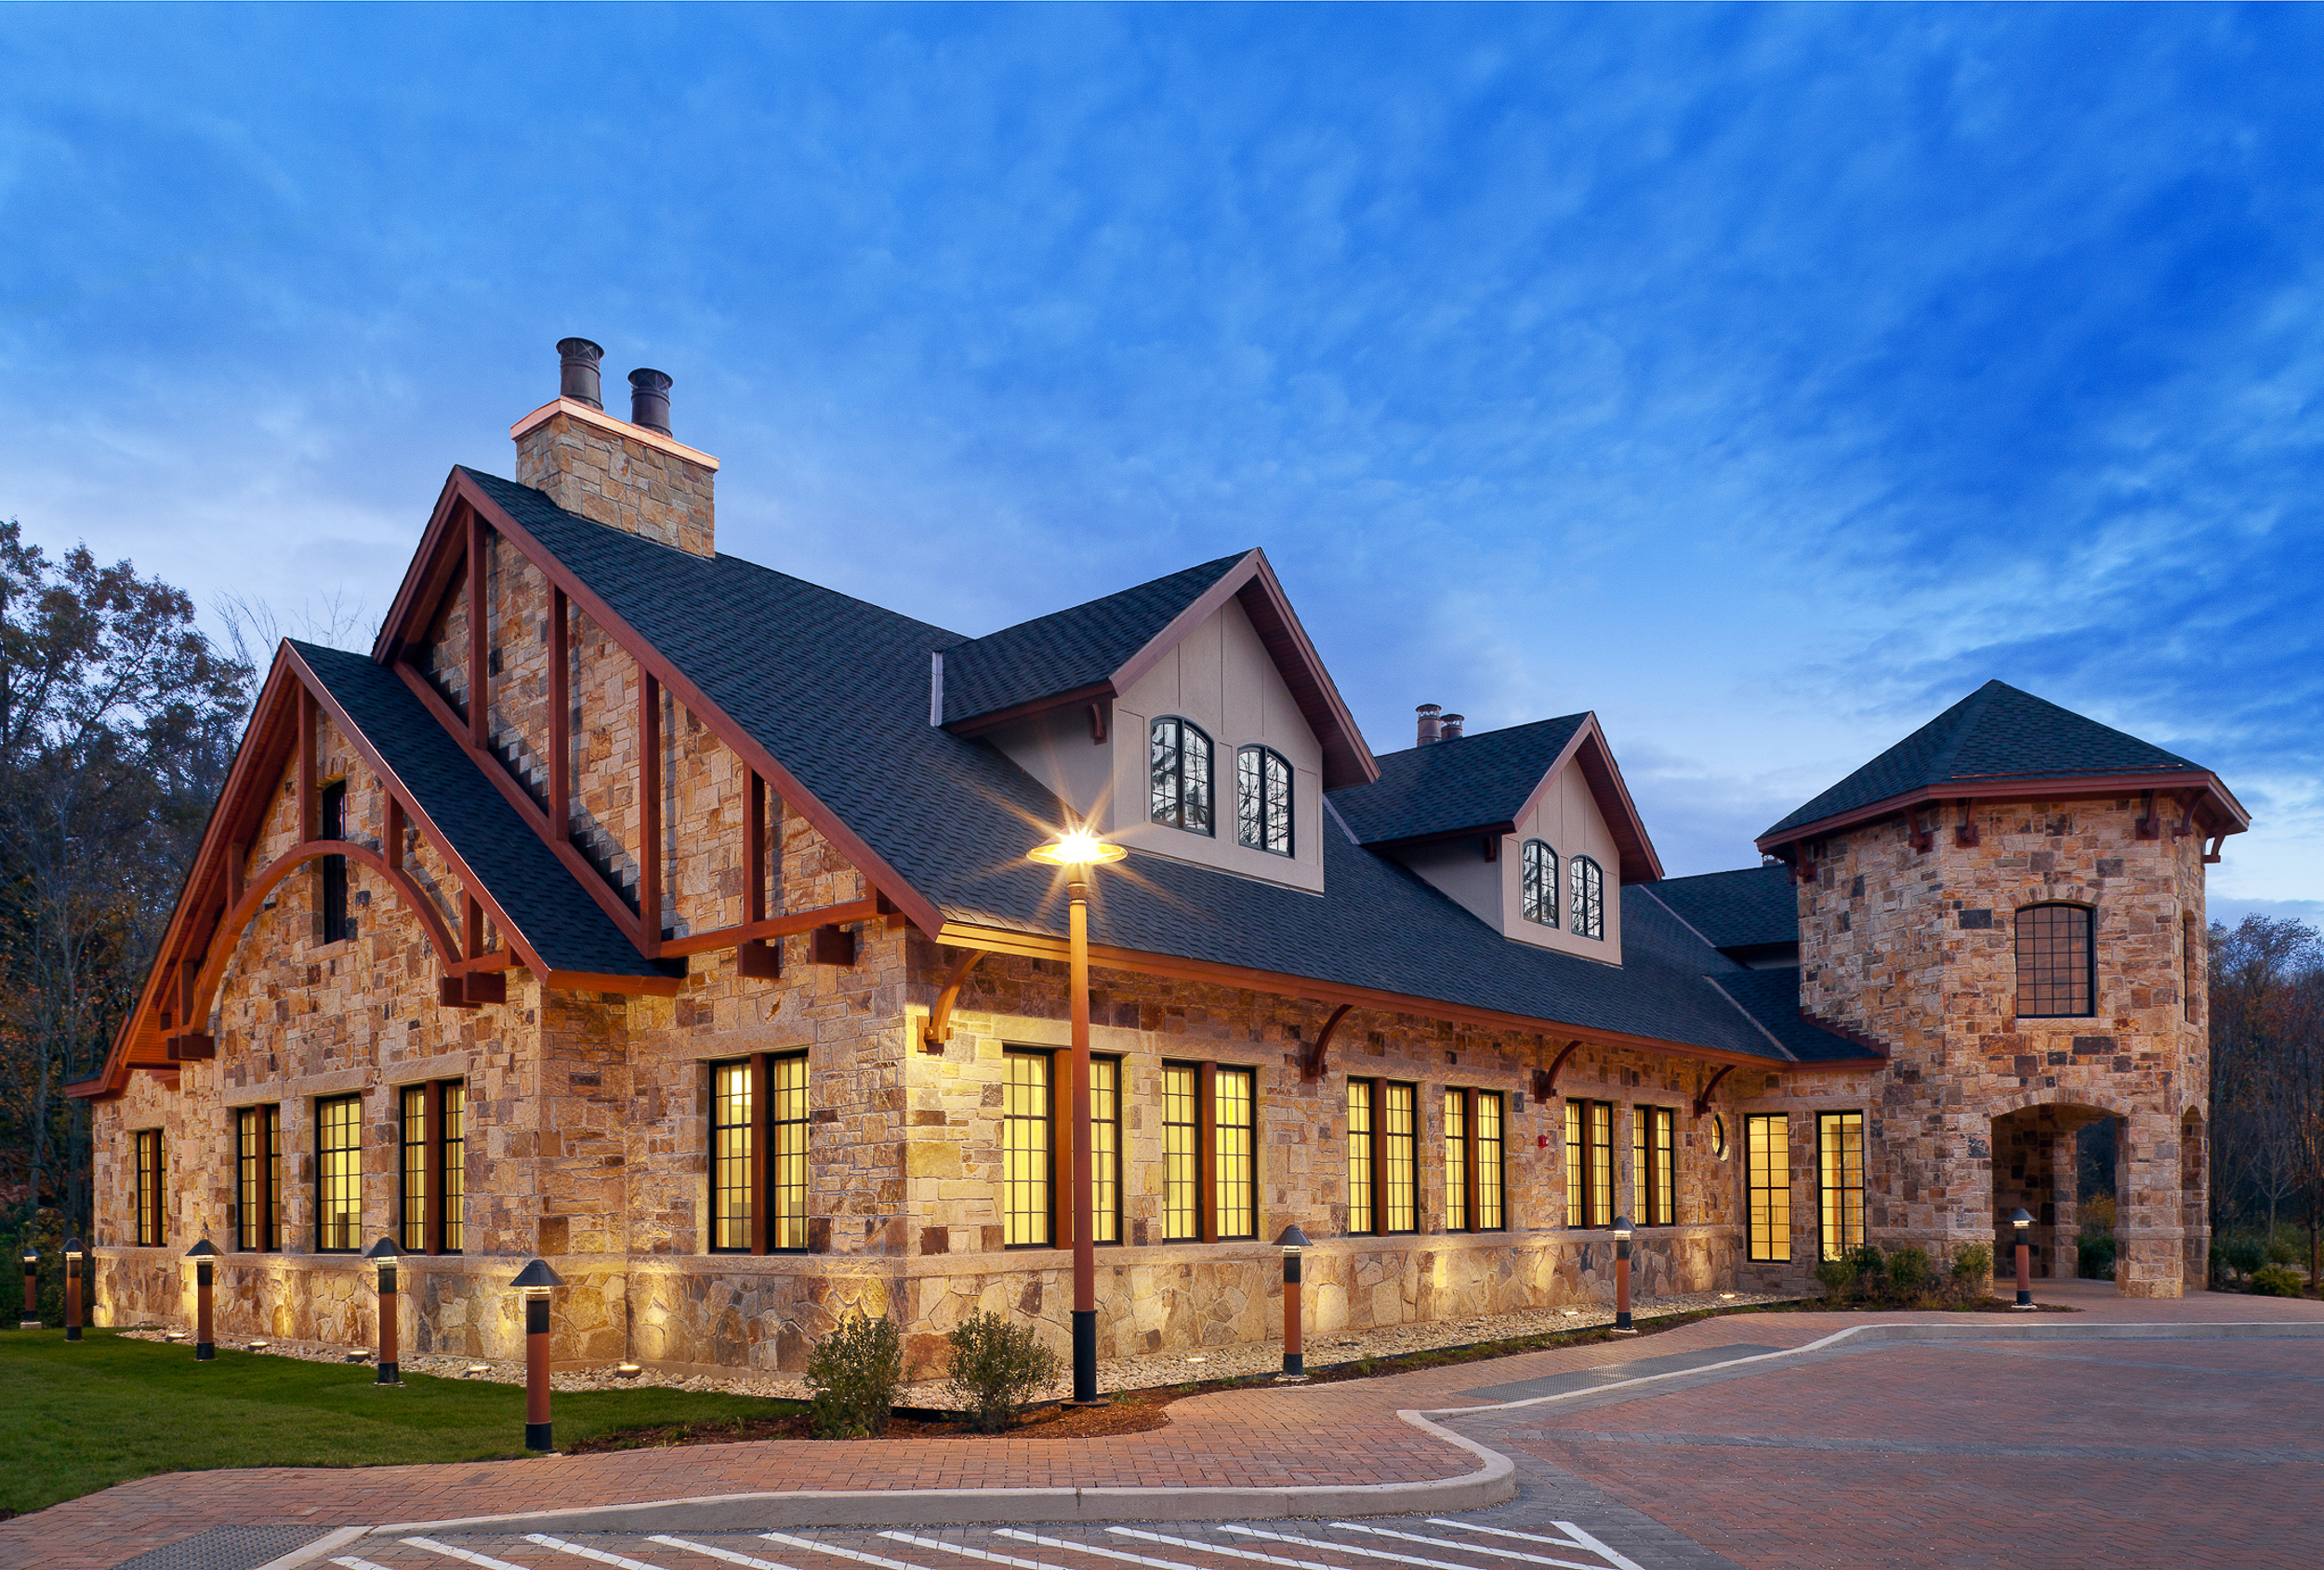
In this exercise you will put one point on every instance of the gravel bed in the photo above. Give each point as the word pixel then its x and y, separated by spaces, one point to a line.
pixel 1122 1374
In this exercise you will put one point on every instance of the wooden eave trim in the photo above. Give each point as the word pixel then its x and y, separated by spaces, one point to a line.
pixel 983 724
pixel 1439 836
pixel 2215 796
pixel 921 911
pixel 1034 946
pixel 1586 748
pixel 428 577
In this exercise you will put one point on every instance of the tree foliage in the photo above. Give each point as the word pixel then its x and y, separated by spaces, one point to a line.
pixel 2268 1077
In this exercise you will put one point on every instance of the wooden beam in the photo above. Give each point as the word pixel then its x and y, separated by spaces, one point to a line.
pixel 754 957
pixel 391 832
pixel 473 936
pixel 772 927
pixel 1206 1150
pixel 559 719
pixel 937 1029
pixel 308 806
pixel 762 1132
pixel 649 812
pixel 432 1185
pixel 479 618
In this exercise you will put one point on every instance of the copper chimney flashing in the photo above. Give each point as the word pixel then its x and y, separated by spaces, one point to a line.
pixel 649 401
pixel 1449 730
pixel 1428 726
pixel 576 371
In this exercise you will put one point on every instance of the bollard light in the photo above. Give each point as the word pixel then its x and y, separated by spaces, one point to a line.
pixel 383 1254
pixel 1622 1326
pixel 1294 1359
pixel 2024 1222
pixel 535 1283
pixel 205 1278
pixel 31 1291
pixel 72 1256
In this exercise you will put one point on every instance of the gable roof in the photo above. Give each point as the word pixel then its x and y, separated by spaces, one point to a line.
pixel 1751 907
pixel 1771 999
pixel 1996 736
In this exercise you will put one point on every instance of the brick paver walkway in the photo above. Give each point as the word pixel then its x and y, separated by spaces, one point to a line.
pixel 1345 1433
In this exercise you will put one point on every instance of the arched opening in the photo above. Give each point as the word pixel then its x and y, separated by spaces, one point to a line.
pixel 2057 1161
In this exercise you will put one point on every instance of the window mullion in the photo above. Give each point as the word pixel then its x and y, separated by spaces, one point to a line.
pixel 1206 1144
pixel 761 1143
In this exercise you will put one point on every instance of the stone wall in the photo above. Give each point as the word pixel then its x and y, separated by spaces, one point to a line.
pixel 612 472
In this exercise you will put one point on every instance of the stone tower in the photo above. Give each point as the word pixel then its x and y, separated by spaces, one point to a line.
pixel 2010 901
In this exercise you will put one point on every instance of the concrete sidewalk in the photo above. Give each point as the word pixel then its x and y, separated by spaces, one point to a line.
pixel 1359 1448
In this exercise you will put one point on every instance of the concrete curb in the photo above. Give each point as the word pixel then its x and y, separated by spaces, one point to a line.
pixel 1493 1482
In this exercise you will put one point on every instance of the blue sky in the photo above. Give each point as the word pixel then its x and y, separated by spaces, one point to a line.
pixel 1764 379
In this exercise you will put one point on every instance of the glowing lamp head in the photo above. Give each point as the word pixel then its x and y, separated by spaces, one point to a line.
pixel 1076 848
pixel 1621 1228
pixel 2021 1221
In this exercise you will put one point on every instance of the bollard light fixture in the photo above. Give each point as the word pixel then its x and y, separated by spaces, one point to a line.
pixel 203 1254
pixel 1622 1326
pixel 1293 1242
pixel 73 1255
pixel 31 1291
pixel 534 1283
pixel 2024 1224
pixel 383 1255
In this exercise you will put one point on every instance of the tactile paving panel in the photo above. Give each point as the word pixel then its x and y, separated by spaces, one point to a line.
pixel 226 1548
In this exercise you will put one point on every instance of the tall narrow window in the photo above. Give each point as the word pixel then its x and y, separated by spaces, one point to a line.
pixel 1492 1189
pixel 332 906
pixel 149 1142
pixel 454 1156
pixel 258 1179
pixel 1182 1155
pixel 1402 1145
pixel 273 1121
pixel 1654 1159
pixel 1840 1181
pixel 418 1158
pixel 2054 977
pixel 2190 966
pixel 1767 1186
pixel 1236 1141
pixel 1588 899
pixel 1577 1170
pixel 1361 1209
pixel 1589 1164
pixel 1026 1219
pixel 1539 903
pixel 1106 1149
pixel 1456 1161
pixel 732 1155
pixel 1262 799
pixel 788 1118
pixel 1600 1163
pixel 1179 767
pixel 339 1175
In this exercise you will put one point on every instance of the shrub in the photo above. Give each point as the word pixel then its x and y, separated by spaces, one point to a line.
pixel 1837 1277
pixel 1909 1269
pixel 1868 1261
pixel 996 1368
pixel 1972 1266
pixel 853 1375
pixel 2282 1252
pixel 2244 1254
pixel 2094 1256
pixel 2277 1280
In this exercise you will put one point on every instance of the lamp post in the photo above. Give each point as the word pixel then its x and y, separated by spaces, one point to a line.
pixel 1622 1326
pixel 73 1253
pixel 205 1278
pixel 535 1281
pixel 31 1291
pixel 383 1254
pixel 2022 1222
pixel 1294 1358
pixel 1078 851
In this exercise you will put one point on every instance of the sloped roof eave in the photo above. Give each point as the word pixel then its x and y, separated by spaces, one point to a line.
pixel 1986 787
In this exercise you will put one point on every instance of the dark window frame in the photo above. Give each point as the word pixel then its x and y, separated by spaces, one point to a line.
pixel 1106 1149
pixel 333 920
pixel 2053 959
pixel 431 1166
pixel 325 1215
pixel 1220 1159
pixel 766 1161
pixel 1836 1230
pixel 1538 885
pixel 1386 1150
pixel 1210 1174
pixel 1052 1180
pixel 1186 1184
pixel 1479 1179
pixel 1184 798
pixel 1587 886
pixel 1258 832
pixel 1590 1182
pixel 258 1208
pixel 149 1178
pixel 1655 1165
pixel 1779 1185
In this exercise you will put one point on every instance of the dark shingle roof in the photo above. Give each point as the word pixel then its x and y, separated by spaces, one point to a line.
pixel 1997 732
pixel 555 914
pixel 953 816
pixel 1772 997
pixel 1068 649
pixel 1748 908
pixel 1447 788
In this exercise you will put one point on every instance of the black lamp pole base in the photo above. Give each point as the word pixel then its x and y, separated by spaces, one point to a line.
pixel 1622 1321
pixel 1085 1357
pixel 536 1437
pixel 1294 1365
pixel 391 1374
pixel 2025 1299
pixel 72 1332
pixel 206 1351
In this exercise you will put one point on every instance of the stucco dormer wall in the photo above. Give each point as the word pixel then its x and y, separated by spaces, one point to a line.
pixel 1564 816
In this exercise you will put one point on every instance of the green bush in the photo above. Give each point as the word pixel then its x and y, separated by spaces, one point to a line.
pixel 1868 1261
pixel 2094 1256
pixel 2277 1280
pixel 1838 1277
pixel 996 1368
pixel 1909 1269
pixel 2243 1254
pixel 1972 1266
pixel 2281 1251
pixel 853 1375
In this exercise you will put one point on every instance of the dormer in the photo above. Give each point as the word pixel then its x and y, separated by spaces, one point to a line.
pixel 1530 829
pixel 1187 718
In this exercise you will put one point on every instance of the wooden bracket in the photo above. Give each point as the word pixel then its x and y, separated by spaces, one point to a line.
pixel 2149 826
pixel 2210 851
pixel 759 960
pixel 484 986
pixel 1097 723
pixel 1702 1102
pixel 1545 1080
pixel 2185 825
pixel 1315 1057
pixel 1492 847
pixel 1924 821
pixel 831 945
pixel 191 1047
pixel 452 992
pixel 937 1029
pixel 1965 832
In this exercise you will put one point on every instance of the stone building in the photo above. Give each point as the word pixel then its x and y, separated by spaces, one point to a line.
pixel 669 917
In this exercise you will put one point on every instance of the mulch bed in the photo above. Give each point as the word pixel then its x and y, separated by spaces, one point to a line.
pixel 1132 1412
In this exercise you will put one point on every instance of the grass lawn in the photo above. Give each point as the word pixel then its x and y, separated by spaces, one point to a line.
pixel 79 1418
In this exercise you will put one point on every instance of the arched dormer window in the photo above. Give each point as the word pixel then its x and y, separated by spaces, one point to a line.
pixel 1180 770
pixel 2056 969
pixel 1540 900
pixel 1262 799
pixel 1588 885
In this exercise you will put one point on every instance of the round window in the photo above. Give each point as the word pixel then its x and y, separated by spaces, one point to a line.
pixel 1719 1136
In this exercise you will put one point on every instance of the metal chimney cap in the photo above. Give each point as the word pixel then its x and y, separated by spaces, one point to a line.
pixel 649 400
pixel 577 373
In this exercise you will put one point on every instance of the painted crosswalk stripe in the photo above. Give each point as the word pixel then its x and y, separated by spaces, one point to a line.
pixel 709 1552
pixel 618 1561
pixel 1579 1538
pixel 481 1560
pixel 1462 1548
pixel 1245 1554
pixel 1091 1548
pixel 855 1555
pixel 967 1553
pixel 354 1563
pixel 1351 1547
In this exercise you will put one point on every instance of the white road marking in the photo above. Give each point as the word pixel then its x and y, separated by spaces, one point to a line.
pixel 966 1551
pixel 1350 1548
pixel 1596 1546
pixel 354 1563
pixel 709 1552
pixel 860 1557
pixel 598 1554
pixel 1245 1554
pixel 1091 1548
pixel 1463 1548
pixel 1578 1538
pixel 483 1561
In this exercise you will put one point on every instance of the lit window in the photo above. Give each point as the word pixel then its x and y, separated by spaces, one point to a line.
pixel 1654 1157
pixel 1840 1181
pixel 1491 1187
pixel 1541 884
pixel 339 1175
pixel 149 1144
pixel 1180 770
pixel 258 1179
pixel 414 1238
pixel 2054 962
pixel 1474 1181
pixel 1588 886
pixel 1106 1149
pixel 1025 1147
pixel 1236 1143
pixel 1262 800
pixel 1359 1155
pixel 452 1160
pixel 732 1127
pixel 788 1117
pixel 742 1190
pixel 1456 1161
pixel 1383 1156
pixel 1767 1184
pixel 1182 1155
pixel 1589 1164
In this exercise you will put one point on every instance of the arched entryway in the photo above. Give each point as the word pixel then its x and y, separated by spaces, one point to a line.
pixel 2061 1163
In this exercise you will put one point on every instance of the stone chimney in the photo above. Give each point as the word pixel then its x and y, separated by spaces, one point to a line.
pixel 1428 725
pixel 1450 729
pixel 628 474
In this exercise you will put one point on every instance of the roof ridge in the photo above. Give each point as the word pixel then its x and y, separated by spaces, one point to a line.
pixel 1222 563
pixel 1481 735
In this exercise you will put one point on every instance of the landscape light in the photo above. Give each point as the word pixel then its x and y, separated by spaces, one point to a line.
pixel 1294 1359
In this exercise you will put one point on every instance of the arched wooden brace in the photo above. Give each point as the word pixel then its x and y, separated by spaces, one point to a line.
pixel 238 915
pixel 937 1030
pixel 1545 1081
pixel 1702 1102
pixel 1314 1059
